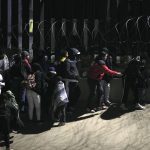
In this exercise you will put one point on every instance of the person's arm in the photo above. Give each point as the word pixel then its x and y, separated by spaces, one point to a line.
pixel 109 71
pixel 68 70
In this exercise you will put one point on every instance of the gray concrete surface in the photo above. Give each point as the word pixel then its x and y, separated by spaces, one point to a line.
pixel 111 129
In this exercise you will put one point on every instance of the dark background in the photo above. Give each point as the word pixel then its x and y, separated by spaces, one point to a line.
pixel 118 11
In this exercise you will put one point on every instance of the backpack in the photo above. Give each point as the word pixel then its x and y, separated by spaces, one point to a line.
pixel 31 83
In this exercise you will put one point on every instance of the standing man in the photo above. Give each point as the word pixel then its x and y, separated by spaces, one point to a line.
pixel 96 82
pixel 70 75
pixel 107 78
pixel 132 75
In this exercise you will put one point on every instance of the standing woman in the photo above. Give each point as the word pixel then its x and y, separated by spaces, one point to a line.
pixel 34 90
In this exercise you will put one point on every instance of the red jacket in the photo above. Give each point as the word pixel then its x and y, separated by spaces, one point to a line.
pixel 97 71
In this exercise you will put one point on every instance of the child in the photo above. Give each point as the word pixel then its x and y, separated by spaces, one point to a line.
pixel 60 100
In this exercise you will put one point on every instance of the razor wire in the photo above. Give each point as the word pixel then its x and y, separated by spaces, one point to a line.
pixel 125 34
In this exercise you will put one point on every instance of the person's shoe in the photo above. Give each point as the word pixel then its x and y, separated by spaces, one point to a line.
pixel 103 106
pixel 39 122
pixel 61 124
pixel 123 107
pixel 88 110
pixel 97 108
pixel 139 106
pixel 92 111
pixel 107 103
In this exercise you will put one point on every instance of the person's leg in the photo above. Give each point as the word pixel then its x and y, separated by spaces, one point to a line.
pixel 6 132
pixel 139 95
pixel 127 86
pixel 23 94
pixel 92 95
pixel 30 104
pixel 74 94
pixel 37 103
pixel 62 114
pixel 101 94
pixel 142 95
pixel 106 93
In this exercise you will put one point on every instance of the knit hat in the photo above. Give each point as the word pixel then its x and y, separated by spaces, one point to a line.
pixel 52 70
pixel 25 54
pixel 105 49
pixel 73 51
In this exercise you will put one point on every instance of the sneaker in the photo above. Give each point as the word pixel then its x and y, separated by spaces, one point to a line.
pixel 92 111
pixel 88 110
pixel 61 124
pixel 103 106
pixel 139 106
pixel 107 103
pixel 39 122
pixel 97 108
pixel 123 107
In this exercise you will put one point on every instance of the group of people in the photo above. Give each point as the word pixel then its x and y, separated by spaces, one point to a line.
pixel 135 77
pixel 53 88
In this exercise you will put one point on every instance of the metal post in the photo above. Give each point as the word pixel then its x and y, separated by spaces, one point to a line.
pixel 63 27
pixel 74 27
pixel 20 24
pixel 9 23
pixel 52 35
pixel 108 17
pixel 85 34
pixel 1 34
pixel 42 26
pixel 31 28
pixel 0 12
pixel 96 27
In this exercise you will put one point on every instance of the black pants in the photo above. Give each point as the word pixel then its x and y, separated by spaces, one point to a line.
pixel 74 94
pixel 4 126
pixel 141 95
pixel 61 110
pixel 96 95
pixel 130 85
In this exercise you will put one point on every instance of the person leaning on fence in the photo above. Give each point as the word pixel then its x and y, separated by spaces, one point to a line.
pixel 107 78
pixel 142 83
pixel 134 79
pixel 96 83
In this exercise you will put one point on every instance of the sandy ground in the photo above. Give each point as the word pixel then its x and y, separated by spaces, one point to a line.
pixel 104 130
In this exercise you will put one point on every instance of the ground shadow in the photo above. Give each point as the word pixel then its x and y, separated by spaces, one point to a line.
pixel 114 111
pixel 2 143
pixel 35 128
